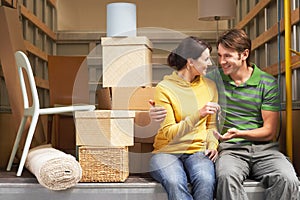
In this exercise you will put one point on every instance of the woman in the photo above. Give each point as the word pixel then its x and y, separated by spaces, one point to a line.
pixel 184 147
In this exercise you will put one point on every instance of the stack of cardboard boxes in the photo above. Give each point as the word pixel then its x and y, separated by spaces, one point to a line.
pixel 125 131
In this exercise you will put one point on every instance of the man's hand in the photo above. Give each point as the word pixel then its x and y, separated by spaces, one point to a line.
pixel 231 133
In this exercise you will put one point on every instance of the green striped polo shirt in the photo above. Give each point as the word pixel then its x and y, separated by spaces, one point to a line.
pixel 245 102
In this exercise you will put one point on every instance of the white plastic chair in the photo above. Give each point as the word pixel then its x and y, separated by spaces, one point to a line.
pixel 34 110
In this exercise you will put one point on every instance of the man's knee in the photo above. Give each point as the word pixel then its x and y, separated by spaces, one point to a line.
pixel 228 176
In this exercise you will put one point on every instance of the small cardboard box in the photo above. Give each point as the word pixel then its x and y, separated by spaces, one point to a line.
pixel 106 128
pixel 126 61
pixel 132 98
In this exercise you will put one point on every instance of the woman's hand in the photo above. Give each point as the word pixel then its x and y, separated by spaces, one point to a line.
pixel 209 109
pixel 212 154
pixel 158 113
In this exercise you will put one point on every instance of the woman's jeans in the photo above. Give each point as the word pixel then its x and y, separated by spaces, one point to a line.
pixel 175 171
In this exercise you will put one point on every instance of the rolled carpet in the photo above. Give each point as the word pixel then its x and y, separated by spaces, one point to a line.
pixel 53 169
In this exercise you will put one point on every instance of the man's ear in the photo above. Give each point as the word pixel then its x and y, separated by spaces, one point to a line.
pixel 245 54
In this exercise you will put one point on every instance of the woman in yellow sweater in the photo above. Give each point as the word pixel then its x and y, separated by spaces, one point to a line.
pixel 184 147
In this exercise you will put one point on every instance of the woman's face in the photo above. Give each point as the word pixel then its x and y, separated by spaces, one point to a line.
pixel 200 64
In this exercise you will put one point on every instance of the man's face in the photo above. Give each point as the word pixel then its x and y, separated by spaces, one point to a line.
pixel 230 60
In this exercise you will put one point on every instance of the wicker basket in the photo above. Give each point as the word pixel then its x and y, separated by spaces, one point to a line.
pixel 103 164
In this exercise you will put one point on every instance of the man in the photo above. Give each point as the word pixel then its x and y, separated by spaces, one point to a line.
pixel 252 115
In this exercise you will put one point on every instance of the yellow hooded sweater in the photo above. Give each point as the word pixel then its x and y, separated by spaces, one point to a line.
pixel 183 131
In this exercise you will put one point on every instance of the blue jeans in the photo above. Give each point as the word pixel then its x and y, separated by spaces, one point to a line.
pixel 175 171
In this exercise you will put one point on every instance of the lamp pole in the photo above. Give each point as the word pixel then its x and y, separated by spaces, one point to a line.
pixel 217 19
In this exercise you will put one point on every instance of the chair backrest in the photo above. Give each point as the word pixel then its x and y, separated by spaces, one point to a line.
pixel 22 62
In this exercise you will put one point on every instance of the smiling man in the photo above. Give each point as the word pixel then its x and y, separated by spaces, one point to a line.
pixel 252 111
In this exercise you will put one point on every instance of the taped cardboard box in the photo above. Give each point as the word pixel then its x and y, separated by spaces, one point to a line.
pixel 105 128
pixel 137 99
pixel 132 98
pixel 144 128
pixel 126 61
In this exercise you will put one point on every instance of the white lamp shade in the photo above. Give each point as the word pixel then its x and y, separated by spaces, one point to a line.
pixel 121 19
pixel 216 9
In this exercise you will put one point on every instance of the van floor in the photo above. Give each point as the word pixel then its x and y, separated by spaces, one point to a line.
pixel 136 187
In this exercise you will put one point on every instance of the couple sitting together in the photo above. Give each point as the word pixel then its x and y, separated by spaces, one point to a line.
pixel 192 146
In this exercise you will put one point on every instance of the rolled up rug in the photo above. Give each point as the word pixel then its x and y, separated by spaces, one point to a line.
pixel 53 169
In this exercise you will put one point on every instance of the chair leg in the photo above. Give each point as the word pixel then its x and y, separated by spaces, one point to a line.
pixel 27 143
pixel 16 144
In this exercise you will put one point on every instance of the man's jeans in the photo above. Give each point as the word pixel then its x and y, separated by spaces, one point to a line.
pixel 175 171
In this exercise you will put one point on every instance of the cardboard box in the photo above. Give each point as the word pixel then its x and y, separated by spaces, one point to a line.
pixel 126 61
pixel 139 157
pixel 103 97
pixel 10 3
pixel 66 91
pixel 132 98
pixel 144 129
pixel 7 136
pixel 106 128
pixel 11 40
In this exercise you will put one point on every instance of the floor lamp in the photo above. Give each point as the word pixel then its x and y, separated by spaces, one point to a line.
pixel 216 10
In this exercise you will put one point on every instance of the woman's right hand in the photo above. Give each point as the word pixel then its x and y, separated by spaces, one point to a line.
pixel 209 109
pixel 158 113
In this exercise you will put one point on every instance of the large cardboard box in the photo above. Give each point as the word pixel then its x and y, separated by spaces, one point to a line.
pixel 66 91
pixel 105 128
pixel 126 61
pixel 132 98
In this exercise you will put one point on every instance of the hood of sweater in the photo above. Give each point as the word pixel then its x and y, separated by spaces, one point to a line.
pixel 174 77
